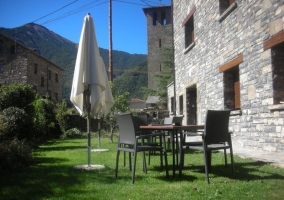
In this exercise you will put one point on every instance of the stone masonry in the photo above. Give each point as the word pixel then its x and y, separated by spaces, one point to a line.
pixel 235 61
pixel 19 64
pixel 159 30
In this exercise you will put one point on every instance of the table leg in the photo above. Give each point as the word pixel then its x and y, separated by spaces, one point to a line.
pixel 173 152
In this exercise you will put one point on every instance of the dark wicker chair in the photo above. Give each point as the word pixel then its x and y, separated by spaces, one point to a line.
pixel 132 143
pixel 216 136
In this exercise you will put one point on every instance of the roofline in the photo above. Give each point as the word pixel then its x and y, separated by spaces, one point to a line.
pixel 34 52
pixel 150 8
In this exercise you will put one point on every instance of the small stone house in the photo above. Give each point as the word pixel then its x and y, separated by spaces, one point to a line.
pixel 19 64
pixel 229 54
pixel 135 103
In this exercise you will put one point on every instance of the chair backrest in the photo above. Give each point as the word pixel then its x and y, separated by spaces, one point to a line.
pixel 139 120
pixel 168 120
pixel 177 120
pixel 126 128
pixel 217 126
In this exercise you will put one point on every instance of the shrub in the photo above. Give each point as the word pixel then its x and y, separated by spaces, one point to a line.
pixel 17 95
pixel 45 117
pixel 15 155
pixel 15 123
pixel 61 114
pixel 72 133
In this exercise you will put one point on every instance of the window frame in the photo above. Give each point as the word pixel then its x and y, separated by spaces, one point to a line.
pixel 42 81
pixel 56 78
pixel 231 69
pixel 189 36
pixel 35 68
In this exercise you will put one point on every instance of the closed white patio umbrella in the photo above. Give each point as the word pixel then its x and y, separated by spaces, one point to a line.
pixel 90 94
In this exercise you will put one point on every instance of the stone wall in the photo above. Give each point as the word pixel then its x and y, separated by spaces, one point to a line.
pixel 159 37
pixel 17 65
pixel 219 39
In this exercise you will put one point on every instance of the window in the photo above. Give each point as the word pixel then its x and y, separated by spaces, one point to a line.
pixel 13 49
pixel 172 104
pixel 42 81
pixel 232 97
pixel 188 23
pixel 160 43
pixel 155 19
pixel 189 32
pixel 277 58
pixel 224 5
pixel 0 68
pixel 56 96
pixel 56 77
pixel 276 43
pixel 163 18
pixel 181 105
pixel 35 68
pixel 49 74
pixel 225 8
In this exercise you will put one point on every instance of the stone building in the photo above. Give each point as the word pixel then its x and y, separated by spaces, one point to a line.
pixel 159 37
pixel 229 54
pixel 19 64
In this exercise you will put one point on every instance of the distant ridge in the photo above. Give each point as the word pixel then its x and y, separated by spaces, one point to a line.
pixel 62 52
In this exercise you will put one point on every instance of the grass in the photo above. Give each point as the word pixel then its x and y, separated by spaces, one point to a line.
pixel 54 177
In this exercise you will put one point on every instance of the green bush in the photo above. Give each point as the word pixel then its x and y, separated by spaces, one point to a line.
pixel 17 95
pixel 15 155
pixel 15 123
pixel 72 133
pixel 45 119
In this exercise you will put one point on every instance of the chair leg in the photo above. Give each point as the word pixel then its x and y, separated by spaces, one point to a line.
pixel 124 159
pixel 134 167
pixel 206 165
pixel 165 155
pixel 144 162
pixel 225 155
pixel 116 165
pixel 232 161
pixel 129 160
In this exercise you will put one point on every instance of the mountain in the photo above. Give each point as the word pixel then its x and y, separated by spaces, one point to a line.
pixel 62 52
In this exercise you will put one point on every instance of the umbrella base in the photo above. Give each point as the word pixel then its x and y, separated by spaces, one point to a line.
pixel 89 167
pixel 99 150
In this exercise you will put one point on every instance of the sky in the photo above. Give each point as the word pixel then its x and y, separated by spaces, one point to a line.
pixel 65 17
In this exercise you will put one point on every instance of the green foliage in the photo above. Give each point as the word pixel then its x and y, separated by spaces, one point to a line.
pixel 45 117
pixel 15 155
pixel 120 105
pixel 17 95
pixel 164 78
pixel 16 124
pixel 61 115
pixel 72 133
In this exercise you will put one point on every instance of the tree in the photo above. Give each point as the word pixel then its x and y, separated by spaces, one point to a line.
pixel 120 105
pixel 165 77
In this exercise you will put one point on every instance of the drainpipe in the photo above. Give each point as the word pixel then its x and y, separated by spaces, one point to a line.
pixel 173 56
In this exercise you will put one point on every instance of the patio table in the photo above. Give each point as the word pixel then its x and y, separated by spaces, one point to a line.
pixel 175 132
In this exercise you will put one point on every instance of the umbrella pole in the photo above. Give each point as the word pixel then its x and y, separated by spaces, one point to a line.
pixel 99 135
pixel 89 139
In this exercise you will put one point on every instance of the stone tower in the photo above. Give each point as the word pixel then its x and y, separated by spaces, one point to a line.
pixel 159 31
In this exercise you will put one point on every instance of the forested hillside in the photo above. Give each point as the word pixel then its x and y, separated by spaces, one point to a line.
pixel 128 68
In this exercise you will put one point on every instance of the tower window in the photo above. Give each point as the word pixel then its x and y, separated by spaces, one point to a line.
pixel 155 19
pixel 163 18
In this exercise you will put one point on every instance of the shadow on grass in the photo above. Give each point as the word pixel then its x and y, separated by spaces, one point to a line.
pixel 244 171
pixel 43 182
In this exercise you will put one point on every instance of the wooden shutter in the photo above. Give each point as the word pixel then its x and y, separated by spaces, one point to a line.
pixel 237 95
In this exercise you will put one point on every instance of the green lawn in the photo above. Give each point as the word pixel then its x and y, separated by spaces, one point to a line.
pixel 54 177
